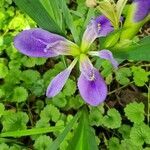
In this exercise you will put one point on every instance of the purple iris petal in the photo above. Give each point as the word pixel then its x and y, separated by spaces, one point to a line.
pixel 143 9
pixel 59 81
pixel 86 67
pixel 34 43
pixel 97 27
pixel 105 54
pixel 104 26
pixel 93 92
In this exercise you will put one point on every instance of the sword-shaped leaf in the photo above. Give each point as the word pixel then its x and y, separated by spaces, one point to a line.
pixel 36 10
pixel 83 138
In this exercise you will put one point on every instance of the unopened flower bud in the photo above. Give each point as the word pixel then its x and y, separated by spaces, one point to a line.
pixel 91 3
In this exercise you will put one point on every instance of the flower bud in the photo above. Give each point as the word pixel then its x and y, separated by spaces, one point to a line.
pixel 91 3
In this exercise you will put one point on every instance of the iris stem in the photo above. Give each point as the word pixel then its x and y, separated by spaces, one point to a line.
pixel 120 88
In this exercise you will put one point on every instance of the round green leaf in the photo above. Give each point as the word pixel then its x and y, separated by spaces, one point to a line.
pixel 135 112
pixel 20 94
pixel 140 134
pixel 112 119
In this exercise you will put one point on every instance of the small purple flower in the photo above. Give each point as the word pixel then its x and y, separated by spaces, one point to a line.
pixel 40 43
pixel 142 9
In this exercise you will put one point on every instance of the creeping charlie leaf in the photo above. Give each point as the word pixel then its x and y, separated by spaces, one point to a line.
pixel 140 134
pixel 20 94
pixel 113 143
pixel 140 76
pixel 42 142
pixel 112 119
pixel 12 121
pixel 135 112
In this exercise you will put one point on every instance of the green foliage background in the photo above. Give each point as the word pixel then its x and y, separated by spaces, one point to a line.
pixel 23 104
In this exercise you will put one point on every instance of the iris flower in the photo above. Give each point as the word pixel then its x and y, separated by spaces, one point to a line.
pixel 142 9
pixel 37 42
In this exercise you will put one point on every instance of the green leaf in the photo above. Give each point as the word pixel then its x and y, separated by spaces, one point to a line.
pixel 127 144
pixel 112 119
pixel 18 22
pixel 30 76
pixel 42 142
pixel 28 132
pixel 122 75
pixel 140 76
pixel 60 100
pixel 2 93
pixel 69 21
pixel 111 39
pixel 2 109
pixel 55 144
pixel 50 112
pixel 14 121
pixel 20 94
pixel 125 131
pixel 107 68
pixel 135 112
pixel 43 123
pixel 53 9
pixel 15 63
pixel 140 134
pixel 40 61
pixel 39 14
pixel 28 61
pixel 4 146
pixel 3 70
pixel 113 144
pixel 60 123
pixel 13 76
pixel 39 106
pixel 75 102
pixel 83 138
pixel 146 148
pixel 95 116
pixel 89 15
pixel 70 88
pixel 138 51
pixel 37 88
pixel 15 147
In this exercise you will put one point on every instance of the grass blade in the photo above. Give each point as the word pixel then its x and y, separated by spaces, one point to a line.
pixel 28 132
pixel 61 137
pixel 69 21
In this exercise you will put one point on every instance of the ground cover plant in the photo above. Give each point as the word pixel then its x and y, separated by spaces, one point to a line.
pixel 74 74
